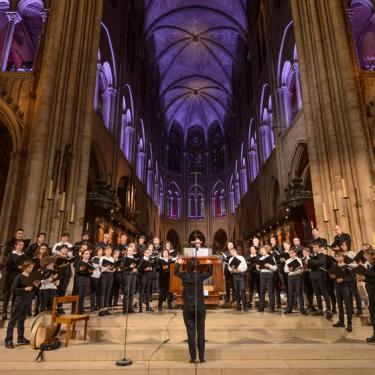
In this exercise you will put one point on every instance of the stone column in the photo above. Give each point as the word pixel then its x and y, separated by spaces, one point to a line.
pixel 11 201
pixel 63 115
pixel 285 115
pixel 335 117
pixel 97 85
pixel 129 136
pixel 141 165
pixel 298 86
pixel 244 180
pixel 109 99
pixel 14 18
pixel 265 142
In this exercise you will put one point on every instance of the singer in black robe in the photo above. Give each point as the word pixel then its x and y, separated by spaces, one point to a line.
pixel 194 307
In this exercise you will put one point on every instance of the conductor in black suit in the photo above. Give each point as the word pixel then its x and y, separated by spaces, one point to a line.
pixel 194 307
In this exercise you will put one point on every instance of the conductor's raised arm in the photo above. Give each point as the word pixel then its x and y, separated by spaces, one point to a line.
pixel 177 271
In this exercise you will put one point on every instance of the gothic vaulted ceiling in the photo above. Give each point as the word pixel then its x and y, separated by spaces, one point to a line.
pixel 195 47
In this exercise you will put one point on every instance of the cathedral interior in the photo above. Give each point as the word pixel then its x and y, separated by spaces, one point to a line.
pixel 222 120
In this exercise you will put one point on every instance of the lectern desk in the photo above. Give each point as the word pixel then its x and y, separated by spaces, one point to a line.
pixel 212 287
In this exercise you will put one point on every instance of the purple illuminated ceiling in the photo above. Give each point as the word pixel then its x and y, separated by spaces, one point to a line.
pixel 195 46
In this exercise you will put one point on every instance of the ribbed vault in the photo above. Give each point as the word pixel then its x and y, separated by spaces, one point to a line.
pixel 195 49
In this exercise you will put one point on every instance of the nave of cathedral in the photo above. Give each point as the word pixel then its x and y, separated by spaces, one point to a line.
pixel 222 120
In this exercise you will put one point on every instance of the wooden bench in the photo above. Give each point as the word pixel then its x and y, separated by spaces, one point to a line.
pixel 69 319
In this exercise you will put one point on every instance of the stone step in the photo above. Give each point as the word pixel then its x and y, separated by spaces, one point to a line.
pixel 214 318
pixel 138 335
pixel 80 351
pixel 245 367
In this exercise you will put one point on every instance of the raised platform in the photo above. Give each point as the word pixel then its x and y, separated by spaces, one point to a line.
pixel 237 343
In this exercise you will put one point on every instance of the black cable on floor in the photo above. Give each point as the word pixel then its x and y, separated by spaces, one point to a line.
pixel 161 344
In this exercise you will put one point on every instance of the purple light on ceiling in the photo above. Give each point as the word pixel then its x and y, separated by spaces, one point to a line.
pixel 195 46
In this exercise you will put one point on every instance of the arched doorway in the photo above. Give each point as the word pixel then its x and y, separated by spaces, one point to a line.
pixel 6 147
pixel 196 234
pixel 173 237
pixel 220 241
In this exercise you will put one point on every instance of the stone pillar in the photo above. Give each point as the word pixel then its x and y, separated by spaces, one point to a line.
pixel 284 98
pixel 109 100
pixel 63 115
pixel 237 193
pixel 129 137
pixel 265 142
pixel 149 183
pixel 97 85
pixel 161 210
pixel 244 180
pixel 11 201
pixel 253 164
pixel 14 18
pixel 298 86
pixel 141 165
pixel 335 118
pixel 179 206
pixel 271 133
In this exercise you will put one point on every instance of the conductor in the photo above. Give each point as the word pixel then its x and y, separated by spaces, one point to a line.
pixel 194 307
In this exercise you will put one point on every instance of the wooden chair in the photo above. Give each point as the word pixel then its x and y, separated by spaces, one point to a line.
pixel 69 319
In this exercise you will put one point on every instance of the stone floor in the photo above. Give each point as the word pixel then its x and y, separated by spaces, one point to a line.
pixel 237 343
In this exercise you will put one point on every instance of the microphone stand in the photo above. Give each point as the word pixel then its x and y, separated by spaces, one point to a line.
pixel 126 361
pixel 196 308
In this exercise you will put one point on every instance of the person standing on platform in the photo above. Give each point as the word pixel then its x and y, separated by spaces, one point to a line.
pixel 279 281
pixel 122 245
pixel 342 288
pixel 293 270
pixel 370 288
pixel 256 244
pixel 168 246
pixel 64 241
pixel 267 266
pixel 141 246
pixel 66 275
pixel 95 280
pixel 253 275
pixel 105 242
pixel 345 246
pixel 298 247
pixel 9 245
pixel 85 240
pixel 24 295
pixel 145 268
pixel 316 237
pixel 12 269
pixel 306 281
pixel 227 275
pixel 237 266
pixel 194 307
pixel 164 280
pixel 40 240
pixel 117 279
pixel 340 236
pixel 129 279
pixel 84 269
pixel 156 253
pixel 317 265
pixel 106 280
pixel 48 286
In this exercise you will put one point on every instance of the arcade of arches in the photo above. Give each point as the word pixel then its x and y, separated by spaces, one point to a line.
pixel 170 118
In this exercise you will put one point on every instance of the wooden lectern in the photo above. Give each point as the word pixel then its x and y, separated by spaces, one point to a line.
pixel 214 285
